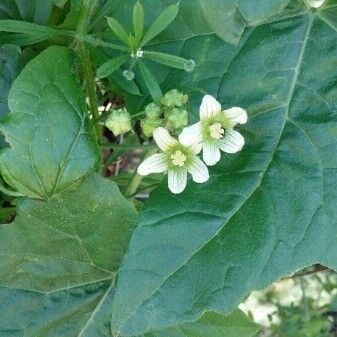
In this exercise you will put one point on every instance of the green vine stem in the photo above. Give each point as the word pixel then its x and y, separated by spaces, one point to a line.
pixel 86 65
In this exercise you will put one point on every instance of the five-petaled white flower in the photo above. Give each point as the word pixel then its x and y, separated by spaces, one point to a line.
pixel 215 131
pixel 176 159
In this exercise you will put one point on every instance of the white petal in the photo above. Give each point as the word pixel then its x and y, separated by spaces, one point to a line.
pixel 232 142
pixel 191 135
pixel 196 148
pixel 211 153
pixel 177 179
pixel 237 115
pixel 209 107
pixel 156 163
pixel 163 139
pixel 198 170
pixel 316 3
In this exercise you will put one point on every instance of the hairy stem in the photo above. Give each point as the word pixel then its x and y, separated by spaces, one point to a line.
pixel 86 65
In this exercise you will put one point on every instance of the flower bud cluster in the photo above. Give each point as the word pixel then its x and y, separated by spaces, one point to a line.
pixel 170 112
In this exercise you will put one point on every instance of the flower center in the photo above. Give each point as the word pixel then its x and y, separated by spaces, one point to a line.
pixel 216 131
pixel 178 158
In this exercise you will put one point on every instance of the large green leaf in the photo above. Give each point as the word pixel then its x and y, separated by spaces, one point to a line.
pixel 85 312
pixel 59 258
pixel 229 18
pixel 265 212
pixel 52 145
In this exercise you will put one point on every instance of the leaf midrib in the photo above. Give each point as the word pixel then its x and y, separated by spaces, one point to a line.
pixel 287 105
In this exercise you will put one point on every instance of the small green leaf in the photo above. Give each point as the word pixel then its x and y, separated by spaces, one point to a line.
pixel 163 20
pixel 110 66
pixel 167 59
pixel 150 82
pixel 118 30
pixel 138 21
pixel 52 146
pixel 13 26
pixel 24 39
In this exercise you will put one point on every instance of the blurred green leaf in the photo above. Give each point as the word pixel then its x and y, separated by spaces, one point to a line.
pixel 163 20
pixel 167 59
pixel 110 66
pixel 150 81
pixel 138 21
pixel 119 30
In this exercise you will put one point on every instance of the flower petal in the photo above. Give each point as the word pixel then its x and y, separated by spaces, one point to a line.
pixel 236 115
pixel 198 170
pixel 163 139
pixel 156 163
pixel 191 135
pixel 177 179
pixel 196 148
pixel 209 107
pixel 211 153
pixel 232 142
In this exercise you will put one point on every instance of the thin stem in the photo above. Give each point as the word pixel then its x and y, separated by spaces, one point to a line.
pixel 305 299
pixel 137 178
pixel 127 146
pixel 86 65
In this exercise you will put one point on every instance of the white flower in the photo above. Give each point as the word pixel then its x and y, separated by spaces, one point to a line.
pixel 316 3
pixel 176 159
pixel 215 131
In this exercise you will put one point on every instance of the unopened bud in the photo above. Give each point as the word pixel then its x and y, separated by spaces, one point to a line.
pixel 119 122
pixel 189 66
pixel 148 125
pixel 129 75
pixel 177 118
pixel 174 98
pixel 153 111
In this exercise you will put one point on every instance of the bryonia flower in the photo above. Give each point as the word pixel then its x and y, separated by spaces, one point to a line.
pixel 215 131
pixel 176 159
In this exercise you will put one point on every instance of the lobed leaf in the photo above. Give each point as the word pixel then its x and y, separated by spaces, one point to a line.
pixel 265 212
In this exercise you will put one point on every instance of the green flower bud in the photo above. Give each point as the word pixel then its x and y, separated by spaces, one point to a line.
pixel 119 122
pixel 177 118
pixel 174 98
pixel 148 125
pixel 153 111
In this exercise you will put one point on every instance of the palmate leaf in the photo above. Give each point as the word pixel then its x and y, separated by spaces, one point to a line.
pixel 266 211
pixel 51 140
